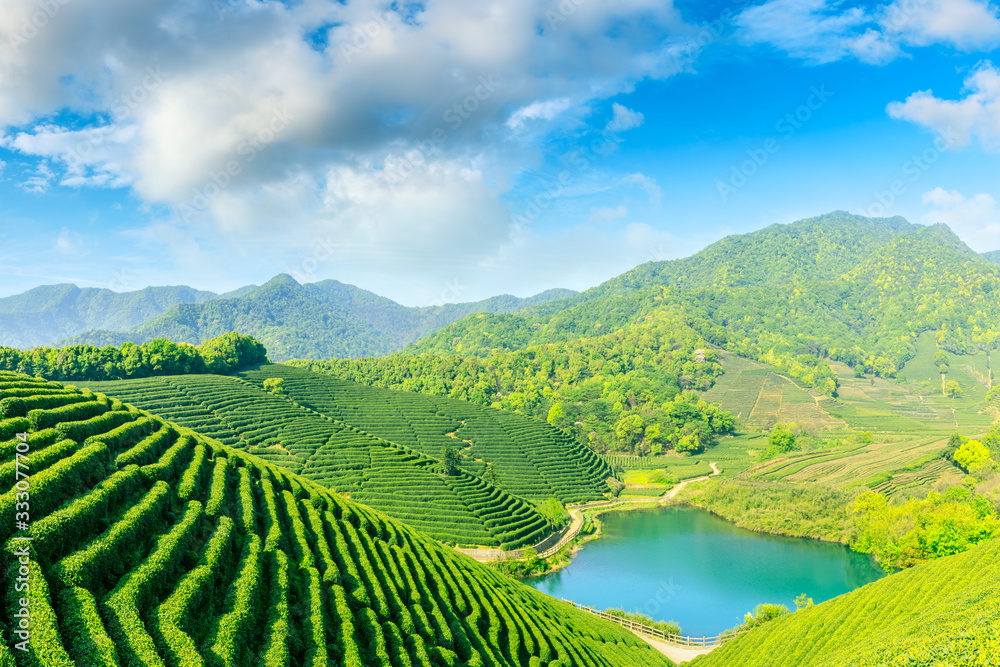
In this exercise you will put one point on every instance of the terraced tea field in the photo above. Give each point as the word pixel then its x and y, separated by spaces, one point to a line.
pixel 758 396
pixel 458 508
pixel 153 545
pixel 531 459
pixel 857 464
pixel 401 477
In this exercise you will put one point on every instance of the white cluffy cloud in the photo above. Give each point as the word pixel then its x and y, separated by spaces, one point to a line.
pixel 825 31
pixel 198 106
pixel 976 116
pixel 624 119
pixel 976 220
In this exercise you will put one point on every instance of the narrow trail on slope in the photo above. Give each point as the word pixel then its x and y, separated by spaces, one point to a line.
pixel 677 489
pixel 576 525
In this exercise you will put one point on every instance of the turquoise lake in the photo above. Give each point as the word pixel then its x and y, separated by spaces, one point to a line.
pixel 689 566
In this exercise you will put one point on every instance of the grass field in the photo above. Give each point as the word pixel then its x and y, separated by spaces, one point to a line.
pixel 153 545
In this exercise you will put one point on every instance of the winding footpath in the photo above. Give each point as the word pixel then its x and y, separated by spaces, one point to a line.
pixel 485 555
pixel 677 489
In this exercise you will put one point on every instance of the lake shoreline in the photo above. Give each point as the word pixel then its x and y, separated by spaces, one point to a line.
pixel 699 564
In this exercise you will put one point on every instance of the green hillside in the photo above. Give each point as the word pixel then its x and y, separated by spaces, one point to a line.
pixel 384 448
pixel 153 545
pixel 945 612
pixel 324 319
pixel 852 289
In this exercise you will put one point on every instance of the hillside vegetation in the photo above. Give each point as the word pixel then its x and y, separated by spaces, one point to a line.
pixel 224 354
pixel 153 545
pixel 386 448
pixel 630 390
pixel 946 612
pixel 323 319
pixel 837 287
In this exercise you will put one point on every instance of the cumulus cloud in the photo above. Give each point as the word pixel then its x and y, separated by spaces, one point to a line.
pixel 375 83
pixel 823 31
pixel 396 130
pixel 976 220
pixel 975 116
pixel 624 119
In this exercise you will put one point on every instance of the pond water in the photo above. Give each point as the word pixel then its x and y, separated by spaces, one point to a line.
pixel 689 566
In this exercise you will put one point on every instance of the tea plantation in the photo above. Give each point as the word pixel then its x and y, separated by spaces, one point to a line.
pixel 531 459
pixel 153 545
pixel 944 612
pixel 459 508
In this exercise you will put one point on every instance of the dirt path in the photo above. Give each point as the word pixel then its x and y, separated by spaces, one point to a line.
pixel 676 653
pixel 574 529
pixel 576 524
pixel 677 489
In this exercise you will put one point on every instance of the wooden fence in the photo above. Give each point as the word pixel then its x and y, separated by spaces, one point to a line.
pixel 656 633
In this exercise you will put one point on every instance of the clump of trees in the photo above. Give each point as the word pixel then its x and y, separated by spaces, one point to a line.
pixel 904 534
pixel 780 440
pixel 223 354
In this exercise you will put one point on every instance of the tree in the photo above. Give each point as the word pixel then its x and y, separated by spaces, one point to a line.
pixel 450 458
pixel 973 456
pixel 782 439
pixel 490 475
pixel 688 444
pixel 802 601
pixel 555 414
pixel 764 613
pixel 953 390
pixel 553 511
pixel 274 385
pixel 627 431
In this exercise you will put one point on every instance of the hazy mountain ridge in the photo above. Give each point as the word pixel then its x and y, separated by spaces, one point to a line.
pixel 320 320
pixel 49 313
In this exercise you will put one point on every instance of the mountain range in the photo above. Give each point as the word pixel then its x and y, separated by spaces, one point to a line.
pixel 323 319
pixel 854 288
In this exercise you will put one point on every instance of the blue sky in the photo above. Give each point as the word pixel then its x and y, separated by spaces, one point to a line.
pixel 449 151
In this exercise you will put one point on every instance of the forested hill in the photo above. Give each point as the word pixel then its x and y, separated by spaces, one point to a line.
pixel 49 313
pixel 324 319
pixel 845 287
pixel 993 256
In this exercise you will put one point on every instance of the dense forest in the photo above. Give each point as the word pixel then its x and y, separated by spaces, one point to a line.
pixel 223 354
pixel 633 390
